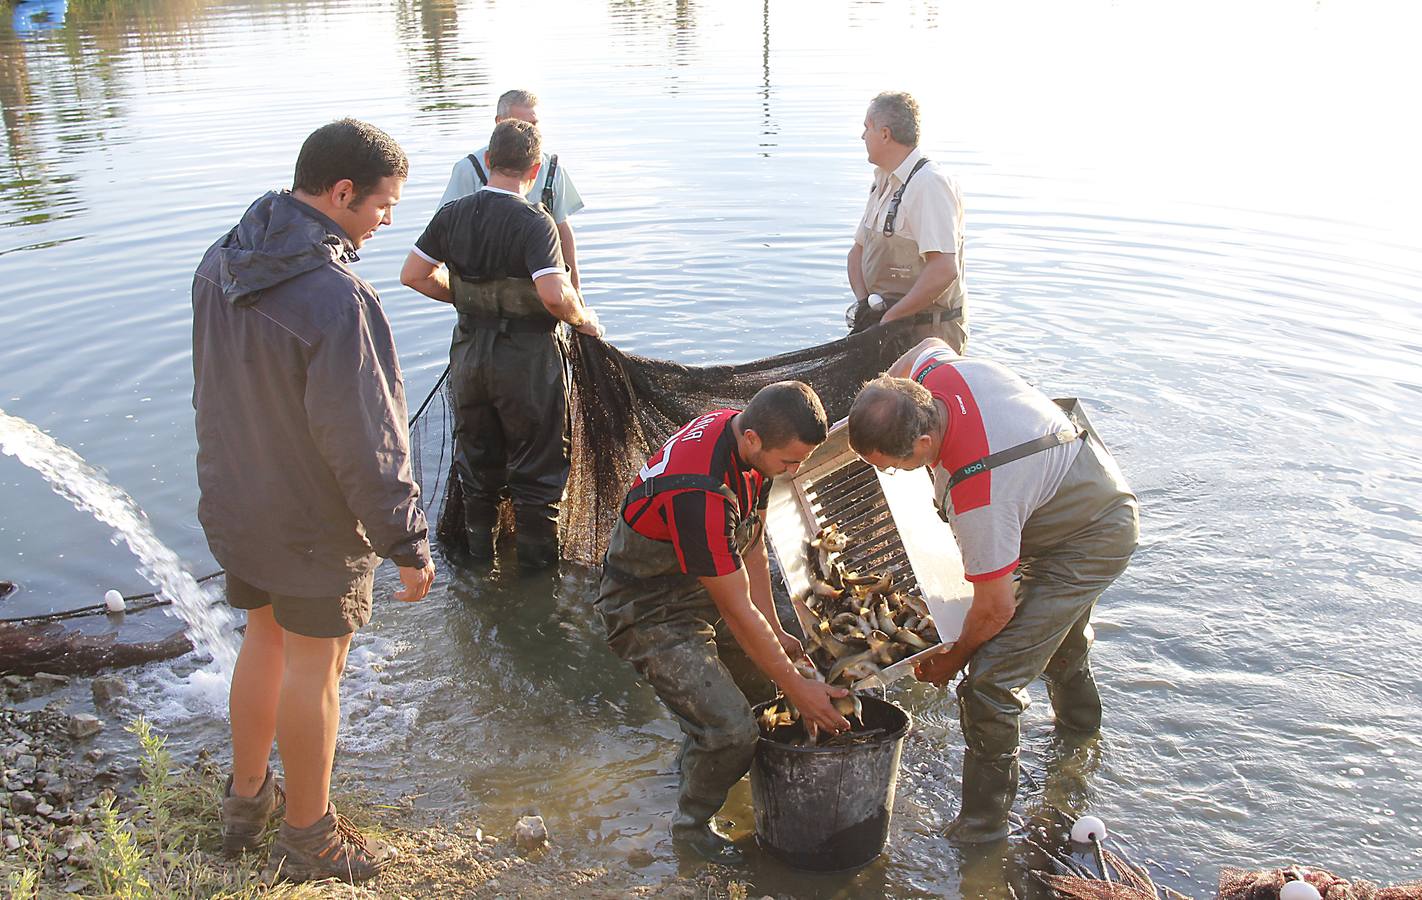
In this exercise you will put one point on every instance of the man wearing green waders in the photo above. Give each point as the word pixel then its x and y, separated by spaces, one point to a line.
pixel 496 257
pixel 685 594
pixel 1045 522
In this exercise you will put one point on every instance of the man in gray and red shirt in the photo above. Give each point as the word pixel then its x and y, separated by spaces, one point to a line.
pixel 1045 522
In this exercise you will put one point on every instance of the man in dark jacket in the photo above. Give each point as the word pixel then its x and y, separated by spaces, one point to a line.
pixel 303 463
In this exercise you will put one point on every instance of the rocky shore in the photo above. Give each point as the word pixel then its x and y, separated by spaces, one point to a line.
pixel 51 779
pixel 78 819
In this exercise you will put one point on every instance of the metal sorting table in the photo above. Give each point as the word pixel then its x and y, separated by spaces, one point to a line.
pixel 891 525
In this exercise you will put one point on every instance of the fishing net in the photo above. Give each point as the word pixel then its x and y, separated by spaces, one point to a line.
pixel 623 406
pixel 1249 884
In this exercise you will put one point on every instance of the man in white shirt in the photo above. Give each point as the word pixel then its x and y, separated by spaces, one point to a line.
pixel 553 188
pixel 907 258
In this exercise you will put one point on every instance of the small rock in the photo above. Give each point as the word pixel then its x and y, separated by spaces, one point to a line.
pixel 26 762
pixel 22 802
pixel 530 833
pixel 43 809
pixel 59 855
pixel 93 755
pixel 84 725
pixel 61 790
pixel 44 682
pixel 108 688
pixel 12 842
pixel 640 858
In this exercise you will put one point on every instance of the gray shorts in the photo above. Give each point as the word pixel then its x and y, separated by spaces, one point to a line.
pixel 318 617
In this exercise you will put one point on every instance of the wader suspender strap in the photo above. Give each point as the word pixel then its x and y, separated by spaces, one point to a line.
pixel 1011 454
pixel 653 486
pixel 548 196
pixel 898 197
pixel 479 170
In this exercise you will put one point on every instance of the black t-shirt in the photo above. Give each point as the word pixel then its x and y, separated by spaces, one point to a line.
pixel 490 234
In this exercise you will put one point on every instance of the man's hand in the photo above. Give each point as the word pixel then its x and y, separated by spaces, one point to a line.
pixel 791 645
pixel 417 583
pixel 590 324
pixel 937 670
pixel 812 698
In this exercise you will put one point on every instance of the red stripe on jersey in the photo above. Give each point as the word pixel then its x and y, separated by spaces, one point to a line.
pixel 965 440
pixel 989 576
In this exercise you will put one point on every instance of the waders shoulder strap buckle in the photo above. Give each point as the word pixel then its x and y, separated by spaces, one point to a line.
pixel 898 198
pixel 548 195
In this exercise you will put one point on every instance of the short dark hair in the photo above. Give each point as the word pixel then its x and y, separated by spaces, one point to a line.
pixel 514 147
pixel 784 411
pixel 898 112
pixel 888 416
pixel 348 148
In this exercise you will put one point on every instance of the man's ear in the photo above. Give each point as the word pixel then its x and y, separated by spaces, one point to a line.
pixel 342 193
pixel 532 174
pixel 753 440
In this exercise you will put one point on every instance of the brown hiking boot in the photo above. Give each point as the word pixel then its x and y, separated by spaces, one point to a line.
pixel 245 818
pixel 331 848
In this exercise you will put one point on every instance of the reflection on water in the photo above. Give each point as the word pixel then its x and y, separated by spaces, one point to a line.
pixel 443 77
pixel 1150 235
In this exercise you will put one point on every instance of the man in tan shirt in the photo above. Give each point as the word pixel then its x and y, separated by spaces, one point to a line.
pixel 907 258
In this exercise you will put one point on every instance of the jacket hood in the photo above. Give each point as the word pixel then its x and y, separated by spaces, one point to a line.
pixel 278 239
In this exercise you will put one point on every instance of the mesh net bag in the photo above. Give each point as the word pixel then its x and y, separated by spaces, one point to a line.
pixel 1252 884
pixel 623 406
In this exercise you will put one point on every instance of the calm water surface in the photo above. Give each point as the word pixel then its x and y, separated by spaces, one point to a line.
pixel 1199 218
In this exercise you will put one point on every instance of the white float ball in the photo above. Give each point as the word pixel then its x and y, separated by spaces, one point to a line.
pixel 1298 890
pixel 1088 829
pixel 114 601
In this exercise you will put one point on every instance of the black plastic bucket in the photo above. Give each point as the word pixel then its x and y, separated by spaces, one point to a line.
pixel 827 808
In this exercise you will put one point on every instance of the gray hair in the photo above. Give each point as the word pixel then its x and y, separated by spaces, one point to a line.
pixel 509 99
pixel 889 415
pixel 897 111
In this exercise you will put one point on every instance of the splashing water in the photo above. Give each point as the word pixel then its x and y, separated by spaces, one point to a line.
pixel 211 629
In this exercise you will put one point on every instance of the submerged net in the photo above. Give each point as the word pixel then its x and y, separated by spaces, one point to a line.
pixel 623 406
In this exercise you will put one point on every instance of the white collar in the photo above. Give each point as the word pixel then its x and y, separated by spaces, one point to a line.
pixel 906 167
pixel 490 187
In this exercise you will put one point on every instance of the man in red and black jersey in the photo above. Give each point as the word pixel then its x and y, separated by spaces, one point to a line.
pixel 686 599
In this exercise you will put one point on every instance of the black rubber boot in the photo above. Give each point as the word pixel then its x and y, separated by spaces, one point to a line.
pixel 989 787
pixel 480 521
pixel 536 537
pixel 706 841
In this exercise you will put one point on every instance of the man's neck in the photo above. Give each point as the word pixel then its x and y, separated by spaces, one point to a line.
pixel 895 156
pixel 510 183
pixel 940 429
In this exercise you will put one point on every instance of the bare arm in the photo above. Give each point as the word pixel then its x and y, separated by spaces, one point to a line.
pixel 565 304
pixel 426 277
pixel 731 594
pixel 856 271
pixel 903 366
pixel 570 253
pixel 939 272
pixel 994 605
pixel 758 571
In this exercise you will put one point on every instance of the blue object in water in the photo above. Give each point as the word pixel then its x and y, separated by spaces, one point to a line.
pixel 32 16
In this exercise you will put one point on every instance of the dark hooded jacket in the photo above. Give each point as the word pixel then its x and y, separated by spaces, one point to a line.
pixel 303 446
